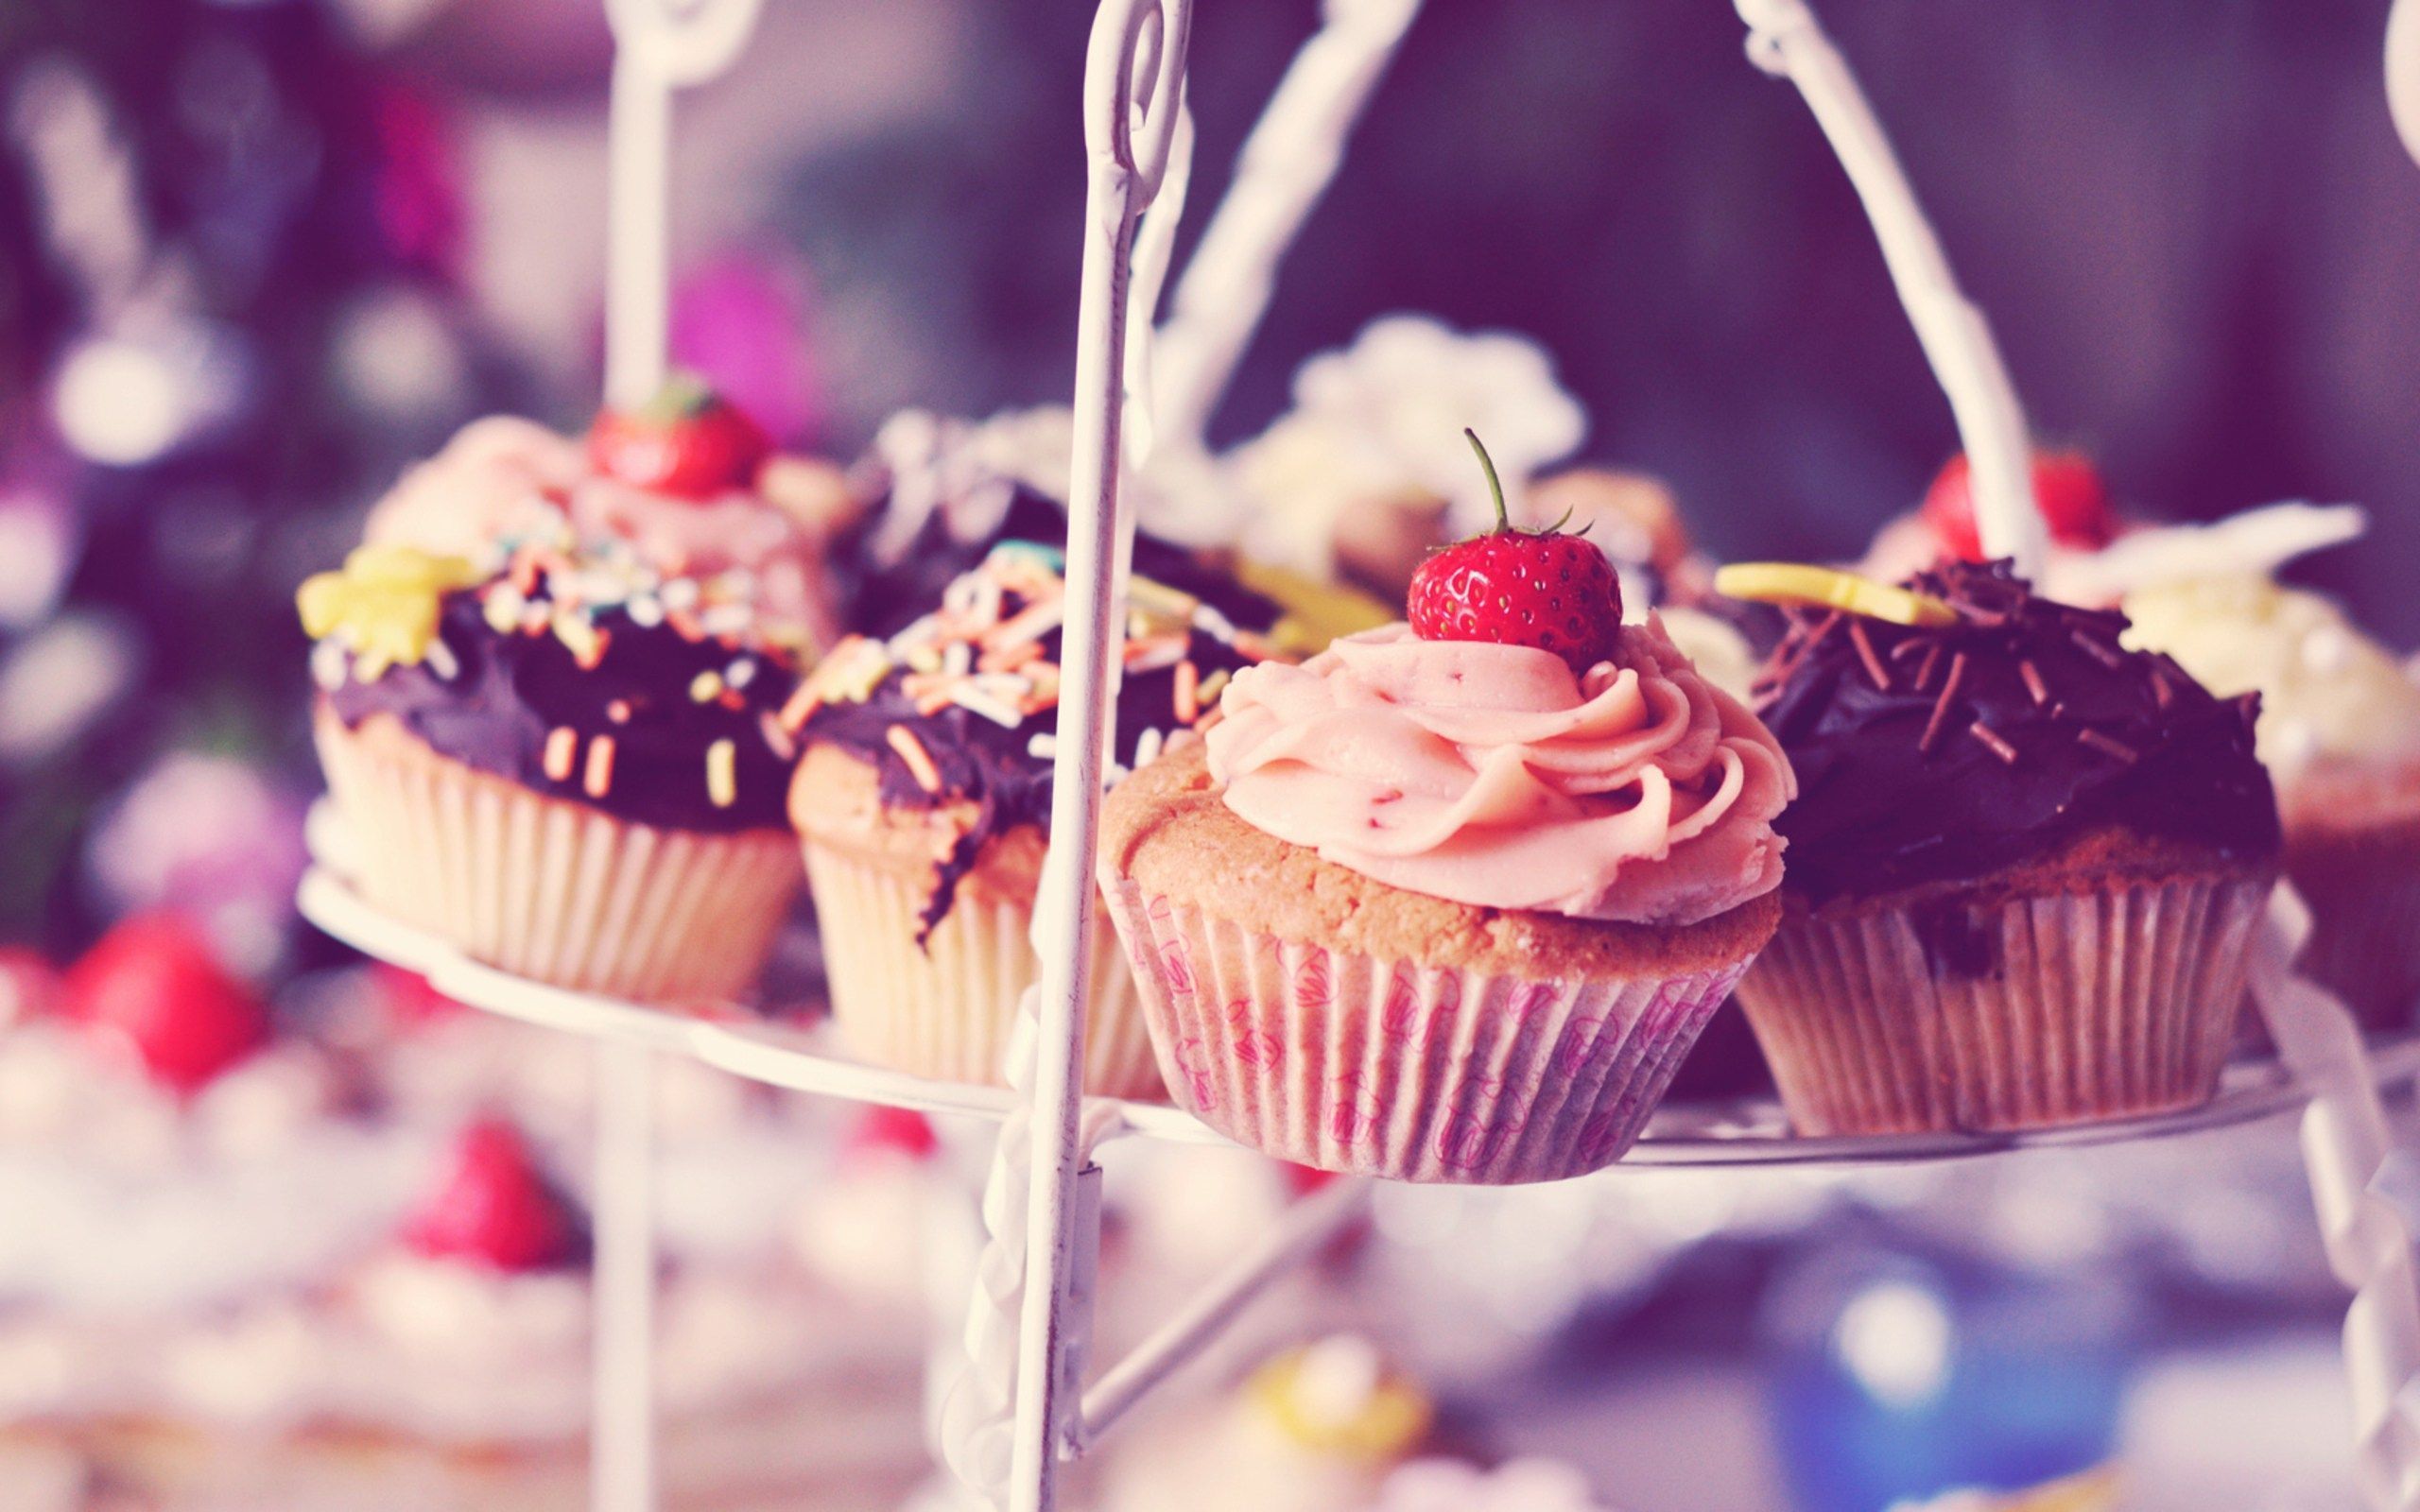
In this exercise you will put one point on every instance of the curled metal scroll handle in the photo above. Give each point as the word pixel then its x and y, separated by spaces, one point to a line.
pixel 1133 92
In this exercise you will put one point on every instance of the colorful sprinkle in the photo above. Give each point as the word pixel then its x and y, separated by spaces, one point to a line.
pixel 912 753
pixel 600 778
pixel 722 773
pixel 563 744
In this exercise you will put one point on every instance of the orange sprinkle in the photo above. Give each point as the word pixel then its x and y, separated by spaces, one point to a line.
pixel 801 706
pixel 599 779
pixel 1012 658
pixel 618 710
pixel 563 743
pixel 919 760
pixel 592 651
pixel 933 703
pixel 1188 693
pixel 685 624
pixel 732 699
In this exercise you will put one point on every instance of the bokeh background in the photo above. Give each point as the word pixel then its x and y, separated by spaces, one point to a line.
pixel 255 254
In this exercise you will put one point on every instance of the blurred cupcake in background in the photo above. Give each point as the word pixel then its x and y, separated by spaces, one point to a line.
pixel 923 799
pixel 548 684
pixel 2025 862
pixel 2340 733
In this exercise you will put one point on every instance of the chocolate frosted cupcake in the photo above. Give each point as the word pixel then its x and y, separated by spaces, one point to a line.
pixel 923 799
pixel 2024 864
pixel 548 696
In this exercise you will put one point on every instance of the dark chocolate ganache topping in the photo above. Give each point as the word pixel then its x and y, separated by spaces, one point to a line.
pixel 641 711
pixel 961 707
pixel 1949 752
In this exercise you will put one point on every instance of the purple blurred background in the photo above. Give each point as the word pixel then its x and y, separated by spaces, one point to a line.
pixel 255 256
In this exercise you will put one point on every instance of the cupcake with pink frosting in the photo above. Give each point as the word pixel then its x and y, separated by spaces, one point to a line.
pixel 1451 900
pixel 550 683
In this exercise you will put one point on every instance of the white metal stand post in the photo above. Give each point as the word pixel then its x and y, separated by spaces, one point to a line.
pixel 659 45
pixel 1134 98
pixel 1784 39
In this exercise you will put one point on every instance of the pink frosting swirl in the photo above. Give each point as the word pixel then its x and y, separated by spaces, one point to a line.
pixel 502 478
pixel 1493 775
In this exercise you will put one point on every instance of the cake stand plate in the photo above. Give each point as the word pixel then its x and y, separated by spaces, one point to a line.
pixel 1740 1133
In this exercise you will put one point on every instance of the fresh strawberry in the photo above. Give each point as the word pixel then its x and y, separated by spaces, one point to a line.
pixel 493 1207
pixel 154 985
pixel 1537 588
pixel 688 442
pixel 2067 489
pixel 894 1130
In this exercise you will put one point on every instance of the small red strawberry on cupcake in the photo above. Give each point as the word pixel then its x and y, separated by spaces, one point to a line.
pixel 154 987
pixel 687 442
pixel 496 1208
pixel 1547 589
pixel 2067 488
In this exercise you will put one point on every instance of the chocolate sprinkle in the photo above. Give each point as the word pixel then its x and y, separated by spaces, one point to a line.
pixel 1992 742
pixel 2108 745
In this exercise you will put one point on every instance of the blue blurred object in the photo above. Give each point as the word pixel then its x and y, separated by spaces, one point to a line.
pixel 1897 1376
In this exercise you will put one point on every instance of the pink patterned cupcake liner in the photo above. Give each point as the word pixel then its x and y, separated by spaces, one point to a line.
pixel 2097 1006
pixel 1346 1063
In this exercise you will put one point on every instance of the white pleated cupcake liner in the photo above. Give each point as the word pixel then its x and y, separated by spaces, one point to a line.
pixel 2070 1008
pixel 1346 1063
pixel 945 1008
pixel 2364 942
pixel 553 890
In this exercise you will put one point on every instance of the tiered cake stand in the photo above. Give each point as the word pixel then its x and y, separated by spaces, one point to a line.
pixel 1017 1405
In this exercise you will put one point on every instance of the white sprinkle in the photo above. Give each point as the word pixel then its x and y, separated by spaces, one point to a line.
pixel 1157 661
pixel 682 592
pixel 1042 748
pixel 958 659
pixel 329 665
pixel 973 702
pixel 442 662
pixel 1216 623
pixel 646 610
pixel 1147 748
pixel 724 619
pixel 740 673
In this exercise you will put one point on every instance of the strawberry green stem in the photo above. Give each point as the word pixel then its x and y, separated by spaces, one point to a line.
pixel 1494 484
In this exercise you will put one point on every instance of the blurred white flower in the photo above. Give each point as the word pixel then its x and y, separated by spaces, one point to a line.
pixel 1383 420
pixel 1518 1485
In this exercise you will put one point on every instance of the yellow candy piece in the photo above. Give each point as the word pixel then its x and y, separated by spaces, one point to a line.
pixel 383 603
pixel 1316 611
pixel 1387 1416
pixel 1791 582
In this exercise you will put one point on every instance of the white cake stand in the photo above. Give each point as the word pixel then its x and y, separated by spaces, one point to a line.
pixel 1020 1405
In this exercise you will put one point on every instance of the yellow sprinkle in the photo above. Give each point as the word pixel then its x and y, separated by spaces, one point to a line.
pixel 563 743
pixel 1790 582
pixel 599 779
pixel 1213 686
pixel 722 773
pixel 705 687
